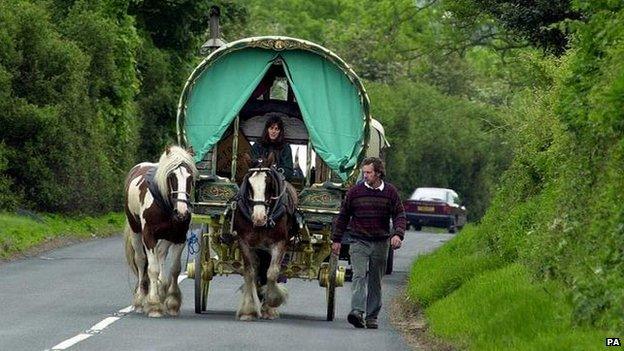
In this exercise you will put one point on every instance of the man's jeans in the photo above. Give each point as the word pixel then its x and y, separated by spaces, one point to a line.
pixel 368 261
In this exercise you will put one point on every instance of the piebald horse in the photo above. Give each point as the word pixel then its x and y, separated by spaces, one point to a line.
pixel 264 220
pixel 158 215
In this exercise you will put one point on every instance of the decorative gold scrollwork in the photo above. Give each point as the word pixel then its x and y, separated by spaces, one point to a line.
pixel 220 193
pixel 279 44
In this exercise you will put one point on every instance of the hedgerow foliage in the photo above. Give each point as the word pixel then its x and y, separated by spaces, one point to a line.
pixel 93 86
pixel 85 92
pixel 560 207
pixel 68 120
pixel 442 141
pixel 571 188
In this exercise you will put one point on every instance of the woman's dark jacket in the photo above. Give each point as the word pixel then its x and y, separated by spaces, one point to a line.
pixel 283 156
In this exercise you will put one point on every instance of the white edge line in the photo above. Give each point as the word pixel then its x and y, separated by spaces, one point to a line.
pixel 70 342
pixel 126 310
pixel 99 326
pixel 103 324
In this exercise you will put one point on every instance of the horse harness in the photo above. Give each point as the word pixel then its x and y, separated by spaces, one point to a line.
pixel 277 210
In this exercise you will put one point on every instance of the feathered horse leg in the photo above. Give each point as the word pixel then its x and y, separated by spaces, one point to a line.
pixel 174 296
pixel 250 303
pixel 154 304
pixel 275 294
pixel 135 255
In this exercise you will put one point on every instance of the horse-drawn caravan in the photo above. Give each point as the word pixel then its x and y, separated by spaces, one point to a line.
pixel 221 113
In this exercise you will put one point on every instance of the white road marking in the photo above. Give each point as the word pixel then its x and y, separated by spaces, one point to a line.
pixel 103 324
pixel 71 342
pixel 127 309
pixel 97 328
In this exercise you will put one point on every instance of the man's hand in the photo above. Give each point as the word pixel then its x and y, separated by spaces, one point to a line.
pixel 336 248
pixel 396 242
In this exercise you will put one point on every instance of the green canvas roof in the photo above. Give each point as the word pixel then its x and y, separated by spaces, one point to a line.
pixel 332 100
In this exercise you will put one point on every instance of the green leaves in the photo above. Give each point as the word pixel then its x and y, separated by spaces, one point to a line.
pixel 440 141
pixel 68 100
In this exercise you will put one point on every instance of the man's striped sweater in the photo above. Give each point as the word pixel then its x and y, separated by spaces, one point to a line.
pixel 367 212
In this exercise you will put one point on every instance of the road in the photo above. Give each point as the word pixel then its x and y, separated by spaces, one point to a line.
pixel 75 298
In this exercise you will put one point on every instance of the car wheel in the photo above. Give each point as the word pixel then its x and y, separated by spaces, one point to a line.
pixel 452 227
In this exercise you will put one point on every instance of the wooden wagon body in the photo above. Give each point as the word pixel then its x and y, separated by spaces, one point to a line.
pixel 222 111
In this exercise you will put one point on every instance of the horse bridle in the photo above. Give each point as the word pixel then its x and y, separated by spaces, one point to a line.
pixel 273 212
pixel 174 199
pixel 275 177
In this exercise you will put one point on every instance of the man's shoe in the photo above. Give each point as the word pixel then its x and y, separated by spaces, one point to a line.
pixel 356 319
pixel 372 324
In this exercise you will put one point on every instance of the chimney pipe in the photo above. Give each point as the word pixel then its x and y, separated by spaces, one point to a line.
pixel 214 42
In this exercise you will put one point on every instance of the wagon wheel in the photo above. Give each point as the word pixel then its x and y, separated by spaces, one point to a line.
pixel 330 290
pixel 201 286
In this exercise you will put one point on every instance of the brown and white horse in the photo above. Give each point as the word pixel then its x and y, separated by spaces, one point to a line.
pixel 264 220
pixel 158 215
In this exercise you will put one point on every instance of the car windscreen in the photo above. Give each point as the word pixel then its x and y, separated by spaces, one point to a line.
pixel 429 194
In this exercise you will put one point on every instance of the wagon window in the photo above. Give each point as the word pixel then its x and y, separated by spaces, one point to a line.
pixel 279 90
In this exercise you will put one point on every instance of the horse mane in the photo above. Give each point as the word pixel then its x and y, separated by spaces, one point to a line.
pixel 171 159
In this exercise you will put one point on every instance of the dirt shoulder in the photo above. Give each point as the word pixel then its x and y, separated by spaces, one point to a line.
pixel 410 321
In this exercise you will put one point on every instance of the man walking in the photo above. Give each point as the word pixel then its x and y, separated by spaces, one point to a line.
pixel 367 210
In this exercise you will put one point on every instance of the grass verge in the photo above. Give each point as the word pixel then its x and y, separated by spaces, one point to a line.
pixel 505 309
pixel 438 274
pixel 21 234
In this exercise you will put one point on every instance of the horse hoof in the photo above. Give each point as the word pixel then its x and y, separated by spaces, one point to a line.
pixel 155 314
pixel 246 318
pixel 270 314
pixel 173 305
pixel 138 309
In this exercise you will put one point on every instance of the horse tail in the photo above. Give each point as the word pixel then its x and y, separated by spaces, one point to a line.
pixel 130 249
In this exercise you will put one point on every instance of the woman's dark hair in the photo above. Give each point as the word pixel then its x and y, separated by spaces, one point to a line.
pixel 378 165
pixel 274 118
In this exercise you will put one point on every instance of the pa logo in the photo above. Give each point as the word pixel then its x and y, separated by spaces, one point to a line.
pixel 613 342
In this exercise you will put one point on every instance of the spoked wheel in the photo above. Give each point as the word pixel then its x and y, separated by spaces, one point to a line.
pixel 330 291
pixel 201 286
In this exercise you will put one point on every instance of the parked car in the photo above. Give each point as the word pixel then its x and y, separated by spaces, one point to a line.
pixel 435 207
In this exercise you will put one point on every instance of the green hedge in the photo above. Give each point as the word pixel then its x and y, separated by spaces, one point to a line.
pixel 559 211
pixel 441 141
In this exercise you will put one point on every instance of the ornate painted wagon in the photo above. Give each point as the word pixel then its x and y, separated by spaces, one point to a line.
pixel 222 111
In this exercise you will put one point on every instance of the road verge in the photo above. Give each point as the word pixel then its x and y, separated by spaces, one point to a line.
pixel 29 234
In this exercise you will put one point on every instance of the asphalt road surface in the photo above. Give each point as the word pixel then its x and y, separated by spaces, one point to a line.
pixel 76 298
